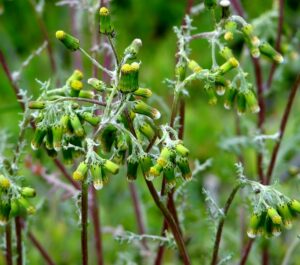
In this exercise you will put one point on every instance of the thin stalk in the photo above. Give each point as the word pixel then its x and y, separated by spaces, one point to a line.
pixel 19 247
pixel 84 213
pixel 229 201
pixel 278 41
pixel 94 209
pixel 282 128
pixel 171 222
pixel 246 252
pixel 41 249
pixel 8 245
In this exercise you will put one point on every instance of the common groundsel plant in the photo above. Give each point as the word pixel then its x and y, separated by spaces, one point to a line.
pixel 98 128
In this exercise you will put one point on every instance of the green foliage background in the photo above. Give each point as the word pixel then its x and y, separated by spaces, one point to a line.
pixel 56 222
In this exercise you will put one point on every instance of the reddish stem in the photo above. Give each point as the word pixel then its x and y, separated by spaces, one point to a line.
pixel 246 252
pixel 8 244
pixel 19 248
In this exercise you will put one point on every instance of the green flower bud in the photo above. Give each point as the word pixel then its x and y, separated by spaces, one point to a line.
pixel 96 172
pixel 69 41
pixel 146 163
pixel 228 36
pixel 274 215
pixel 230 64
pixel 68 155
pixel 241 103
pixel 254 224
pixel 135 67
pixel 105 21
pixel 64 121
pixel 57 132
pixel 119 157
pixel 97 84
pixel 225 5
pixel 267 50
pixel 36 104
pixel 294 205
pixel 5 208
pixel 125 79
pixel 155 171
pixel 210 3
pixel 17 209
pixel 230 97
pixel 276 230
pixel 226 53
pixel 212 98
pixel 144 109
pixel 169 174
pixel 111 167
pixel 184 167
pixel 268 227
pixel 133 49
pixel 147 130
pixel 24 203
pixel 80 173
pixel 76 125
pixel 180 71
pixel 251 40
pixel 143 92
pixel 28 192
pixel 76 86
pixel 38 137
pixel 166 155
pixel 86 94
pixel 182 150
pixel 49 139
pixel 286 215
pixel 76 75
pixel 90 118
pixel 251 101
pixel 132 167
pixel 221 83
pixel 107 137
pixel 4 182
pixel 194 66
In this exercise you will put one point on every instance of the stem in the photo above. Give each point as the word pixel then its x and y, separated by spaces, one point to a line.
pixel 88 100
pixel 94 209
pixel 113 49
pixel 8 244
pixel 18 227
pixel 229 201
pixel 246 252
pixel 282 128
pixel 41 249
pixel 278 41
pixel 138 212
pixel 84 210
pixel 171 222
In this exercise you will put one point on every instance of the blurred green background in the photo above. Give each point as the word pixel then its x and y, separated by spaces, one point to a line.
pixel 209 130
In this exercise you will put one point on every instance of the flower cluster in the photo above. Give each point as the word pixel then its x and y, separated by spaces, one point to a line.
pixel 14 200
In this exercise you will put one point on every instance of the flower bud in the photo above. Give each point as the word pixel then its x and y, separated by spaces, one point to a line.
pixel 132 167
pixel 86 94
pixel 182 150
pixel 225 5
pixel 96 172
pixel 221 83
pixel 125 79
pixel 36 104
pixel 76 75
pixel 38 137
pixel 212 98
pixel 107 137
pixel 230 97
pixel 255 221
pixel 133 49
pixel 169 174
pixel 166 154
pixel 228 36
pixel 111 167
pixel 251 101
pixel 230 64
pixel 76 86
pixel 267 50
pixel 5 208
pixel 144 109
pixel 230 27
pixel 241 103
pixel 184 167
pixel 49 139
pixel 24 203
pixel 97 84
pixel 57 132
pixel 105 21
pixel 76 125
pixel 294 205
pixel 194 66
pixel 28 192
pixel 210 3
pixel 252 40
pixel 143 92
pixel 90 118
pixel 275 217
pixel 147 130
pixel 226 53
pixel 286 215
pixel 80 173
pixel 146 163
pixel 4 182
pixel 69 41
pixel 155 171
pixel 68 155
